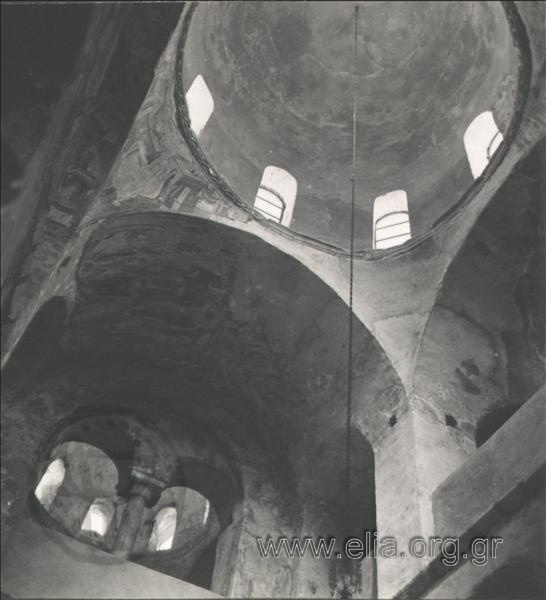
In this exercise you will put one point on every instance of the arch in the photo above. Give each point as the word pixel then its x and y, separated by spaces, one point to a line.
pixel 124 436
pixel 219 491
pixel 225 231
pixel 50 482
pixel 391 225
pixel 163 532
pixel 99 516
pixel 200 104
pixel 180 536
pixel 481 140
pixel 91 473
pixel 276 195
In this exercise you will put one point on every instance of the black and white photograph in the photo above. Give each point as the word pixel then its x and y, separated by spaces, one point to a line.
pixel 273 282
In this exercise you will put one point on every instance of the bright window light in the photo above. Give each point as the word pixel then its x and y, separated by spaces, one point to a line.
pixel 50 483
pixel 200 104
pixel 206 512
pixel 276 196
pixel 481 139
pixel 162 537
pixel 391 226
pixel 98 517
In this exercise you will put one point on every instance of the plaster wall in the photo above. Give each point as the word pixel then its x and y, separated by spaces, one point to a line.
pixel 41 563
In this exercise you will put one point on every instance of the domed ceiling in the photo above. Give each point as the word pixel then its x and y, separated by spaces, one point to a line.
pixel 281 77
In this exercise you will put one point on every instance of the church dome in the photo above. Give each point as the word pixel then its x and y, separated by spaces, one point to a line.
pixel 276 81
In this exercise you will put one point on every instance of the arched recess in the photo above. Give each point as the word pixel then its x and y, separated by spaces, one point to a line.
pixel 225 304
pixel 179 536
pixel 130 442
pixel 315 268
pixel 493 294
pixel 188 290
pixel 83 504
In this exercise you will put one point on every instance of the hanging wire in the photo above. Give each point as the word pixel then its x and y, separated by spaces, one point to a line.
pixel 349 585
pixel 351 268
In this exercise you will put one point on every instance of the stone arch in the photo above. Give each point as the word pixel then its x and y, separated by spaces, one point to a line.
pixel 124 436
pixel 112 358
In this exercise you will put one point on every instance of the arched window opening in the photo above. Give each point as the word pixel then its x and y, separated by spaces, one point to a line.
pixel 206 512
pixel 90 472
pixel 200 104
pixel 481 140
pixel 182 520
pixel 162 537
pixel 391 226
pixel 98 517
pixel 49 484
pixel 276 196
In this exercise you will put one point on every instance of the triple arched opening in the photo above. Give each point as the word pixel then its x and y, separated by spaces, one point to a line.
pixel 84 491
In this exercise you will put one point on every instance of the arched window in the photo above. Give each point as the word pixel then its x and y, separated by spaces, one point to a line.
pixel 164 529
pixel 481 139
pixel 391 226
pixel 98 517
pixel 50 483
pixel 276 195
pixel 206 512
pixel 200 104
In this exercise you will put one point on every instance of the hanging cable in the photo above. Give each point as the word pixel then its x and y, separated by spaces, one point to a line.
pixel 351 268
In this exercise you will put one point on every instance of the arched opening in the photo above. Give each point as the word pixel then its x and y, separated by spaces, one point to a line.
pixel 100 441
pixel 179 536
pixel 78 493
pixel 391 225
pixel 200 104
pixel 162 537
pixel 492 422
pixel 98 517
pixel 276 196
pixel 49 484
pixel 481 140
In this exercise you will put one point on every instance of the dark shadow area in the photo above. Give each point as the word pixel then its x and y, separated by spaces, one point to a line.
pixel 493 421
pixel 521 579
